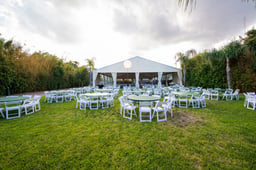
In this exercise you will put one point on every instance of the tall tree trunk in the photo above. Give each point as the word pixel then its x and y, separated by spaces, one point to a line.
pixel 228 73
pixel 90 77
pixel 184 74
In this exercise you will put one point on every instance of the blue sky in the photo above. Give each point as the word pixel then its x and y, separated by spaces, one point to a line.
pixel 115 30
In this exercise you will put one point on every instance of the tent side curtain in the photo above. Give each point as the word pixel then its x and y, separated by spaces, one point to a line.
pixel 137 74
pixel 114 75
pixel 95 73
pixel 159 79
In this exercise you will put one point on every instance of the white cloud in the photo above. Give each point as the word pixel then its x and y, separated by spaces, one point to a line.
pixel 115 30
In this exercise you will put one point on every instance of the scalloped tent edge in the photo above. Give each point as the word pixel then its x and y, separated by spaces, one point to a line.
pixel 139 65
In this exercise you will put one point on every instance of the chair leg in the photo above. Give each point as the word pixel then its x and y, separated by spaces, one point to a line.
pixel 19 113
pixel 150 118
pixel 252 104
pixel 2 113
pixel 158 117
pixel 130 114
pixel 126 111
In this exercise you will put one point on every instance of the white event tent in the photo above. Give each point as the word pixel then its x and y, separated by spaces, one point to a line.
pixel 137 67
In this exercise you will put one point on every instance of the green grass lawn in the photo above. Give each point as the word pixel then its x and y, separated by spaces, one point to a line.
pixel 221 136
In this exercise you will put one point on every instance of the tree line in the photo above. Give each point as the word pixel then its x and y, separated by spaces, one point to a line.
pixel 232 66
pixel 24 72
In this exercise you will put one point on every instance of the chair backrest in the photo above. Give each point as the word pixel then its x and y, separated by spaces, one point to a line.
pixel 28 101
pixel 251 98
pixel 83 97
pixel 236 91
pixel 195 97
pixel 26 95
pixel 12 103
pixel 251 93
pixel 93 98
pixel 37 98
pixel 162 104
pixel 228 91
pixel 215 92
pixel 202 97
pixel 205 91
pixel 183 97
pixel 146 104
pixel 209 89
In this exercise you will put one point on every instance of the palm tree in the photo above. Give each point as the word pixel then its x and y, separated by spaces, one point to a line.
pixel 183 59
pixel 191 53
pixel 187 3
pixel 6 47
pixel 90 65
pixel 231 51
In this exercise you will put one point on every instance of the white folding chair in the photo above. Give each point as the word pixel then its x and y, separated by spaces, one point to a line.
pixel 251 102
pixel 104 102
pixel 47 96
pixel 73 94
pixel 195 101
pixel 206 94
pixel 236 94
pixel 183 101
pixel 121 104
pixel 214 95
pixel 227 94
pixel 84 102
pixel 129 110
pixel 94 103
pixel 110 100
pixel 169 106
pixel 202 101
pixel 59 98
pixel 78 101
pixel 245 99
pixel 28 106
pixel 10 107
pixel 145 107
pixel 51 97
pixel 175 100
pixel 37 102
pixel 67 97
pixel 161 107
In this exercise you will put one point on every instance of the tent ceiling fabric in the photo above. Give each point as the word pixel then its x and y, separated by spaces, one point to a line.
pixel 139 64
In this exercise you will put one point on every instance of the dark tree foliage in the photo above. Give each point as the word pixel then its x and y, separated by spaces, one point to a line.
pixel 208 69
pixel 23 72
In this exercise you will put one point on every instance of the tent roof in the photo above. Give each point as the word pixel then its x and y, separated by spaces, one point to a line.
pixel 139 64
